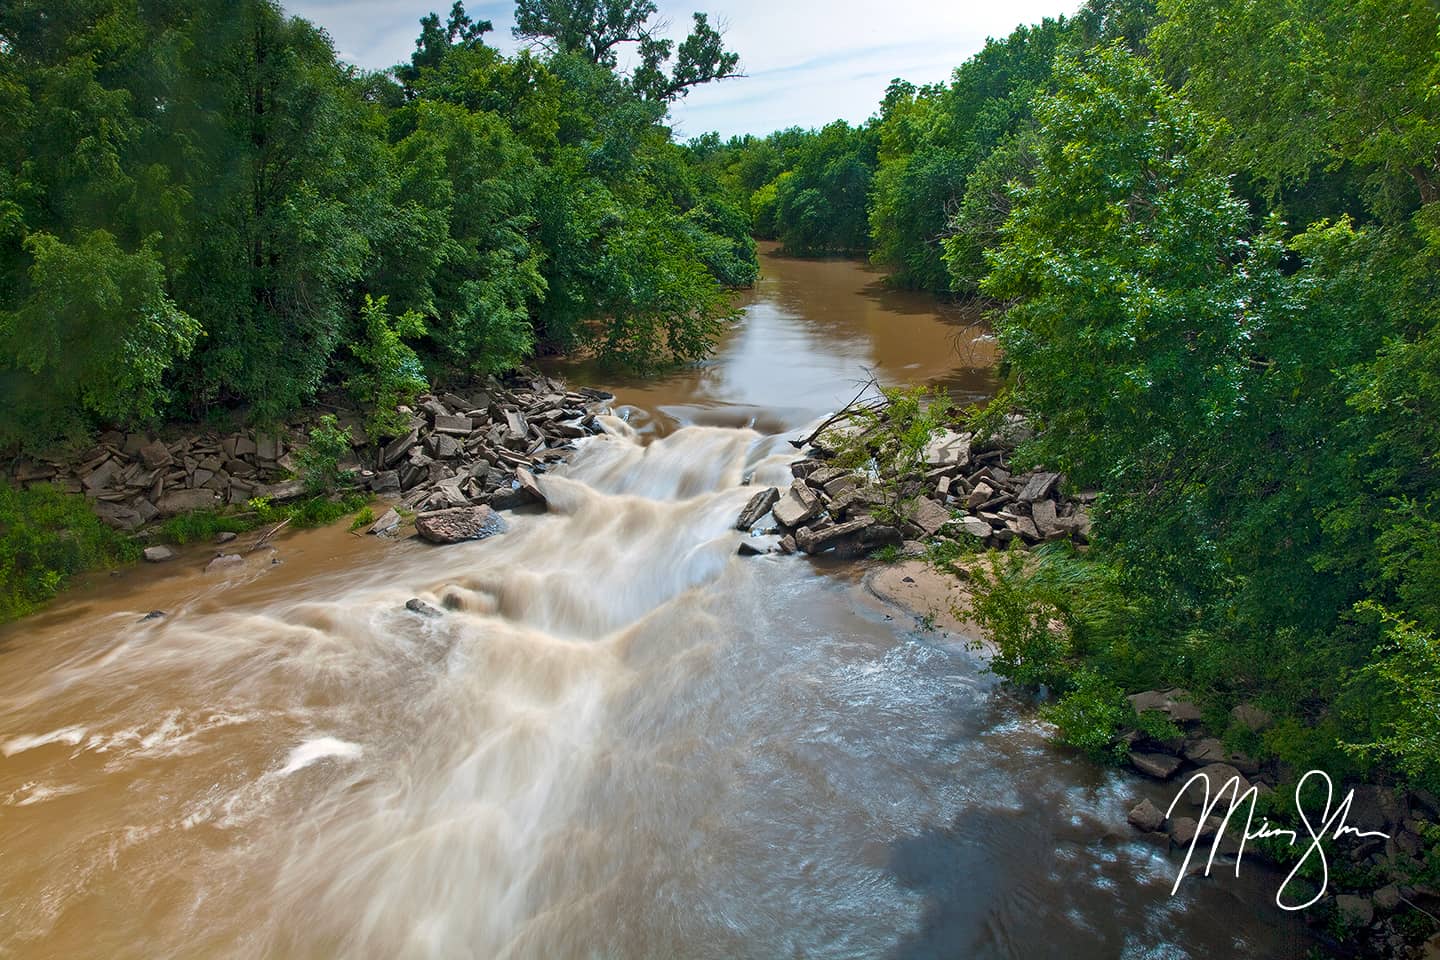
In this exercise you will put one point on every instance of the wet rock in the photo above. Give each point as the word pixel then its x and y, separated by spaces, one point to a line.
pixel 158 554
pixel 799 505
pixel 757 507
pixel 1183 830
pixel 816 540
pixel 1146 816
pixel 153 615
pixel 416 605
pixel 759 546
pixel 225 561
pixel 1161 766
pixel 459 524
pixel 225 536
pixel 787 544
pixel 388 523
pixel 529 484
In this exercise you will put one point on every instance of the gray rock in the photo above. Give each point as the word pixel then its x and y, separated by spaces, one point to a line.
pixel 530 485
pixel 813 540
pixel 416 605
pixel 1176 704
pixel 1251 717
pixel 397 448
pixel 974 526
pixel 460 426
pixel 1354 911
pixel 1038 487
pixel 798 505
pixel 1208 750
pixel 459 524
pixel 156 455
pixel 1146 816
pixel 1161 766
pixel 225 536
pixel 757 507
pixel 949 449
pixel 283 491
pixel 1387 898
pixel 385 482
pixel 388 523
pixel 158 554
pixel 759 546
pixel 119 516
pixel 225 561
pixel 184 501
pixel 929 516
pixel 1219 774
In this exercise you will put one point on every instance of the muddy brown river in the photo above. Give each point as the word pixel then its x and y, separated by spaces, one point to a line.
pixel 623 741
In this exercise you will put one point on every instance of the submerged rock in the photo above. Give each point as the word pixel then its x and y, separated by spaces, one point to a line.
pixel 459 524
pixel 158 554
pixel 416 605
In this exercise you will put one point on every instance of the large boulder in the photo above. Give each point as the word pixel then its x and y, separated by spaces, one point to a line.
pixel 459 524
pixel 185 501
pixel 1146 816
pixel 757 507
pixel 817 540
pixel 798 505
pixel 1161 766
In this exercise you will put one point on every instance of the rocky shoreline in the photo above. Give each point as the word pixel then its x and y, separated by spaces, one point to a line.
pixel 963 488
pixel 468 452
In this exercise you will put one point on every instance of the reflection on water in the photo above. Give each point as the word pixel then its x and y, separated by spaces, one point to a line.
pixel 618 740
pixel 811 332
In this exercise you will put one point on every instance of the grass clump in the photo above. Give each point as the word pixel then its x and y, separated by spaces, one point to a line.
pixel 47 537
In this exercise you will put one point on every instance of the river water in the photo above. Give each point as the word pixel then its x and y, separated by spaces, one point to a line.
pixel 620 740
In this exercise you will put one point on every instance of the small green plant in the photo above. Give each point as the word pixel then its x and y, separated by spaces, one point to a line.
pixel 1154 725
pixel 1032 641
pixel 889 553
pixel 388 372
pixel 1089 715
pixel 887 442
pixel 319 463
pixel 203 525
pixel 364 518
pixel 46 537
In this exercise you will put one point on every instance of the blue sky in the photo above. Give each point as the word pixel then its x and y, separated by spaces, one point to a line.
pixel 806 61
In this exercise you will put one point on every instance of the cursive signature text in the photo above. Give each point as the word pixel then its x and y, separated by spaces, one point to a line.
pixel 1330 824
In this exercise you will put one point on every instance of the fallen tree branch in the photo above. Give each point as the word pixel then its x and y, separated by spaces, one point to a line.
pixel 844 413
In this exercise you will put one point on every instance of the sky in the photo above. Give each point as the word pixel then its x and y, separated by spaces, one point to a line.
pixel 806 62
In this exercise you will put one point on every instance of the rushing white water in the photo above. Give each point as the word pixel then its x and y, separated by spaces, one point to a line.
pixel 619 739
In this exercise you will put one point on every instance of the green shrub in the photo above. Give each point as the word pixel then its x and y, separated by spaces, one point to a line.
pixel 1032 643
pixel 388 371
pixel 46 537
pixel 364 518
pixel 319 462
pixel 887 442
pixel 203 525
pixel 1090 714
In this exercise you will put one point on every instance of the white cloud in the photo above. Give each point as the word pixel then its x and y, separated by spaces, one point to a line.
pixel 806 62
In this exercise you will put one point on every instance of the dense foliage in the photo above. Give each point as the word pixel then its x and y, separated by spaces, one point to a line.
pixel 1212 229
pixel 200 206
pixel 46 537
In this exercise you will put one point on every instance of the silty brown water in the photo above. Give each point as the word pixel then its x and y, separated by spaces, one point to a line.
pixel 622 741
